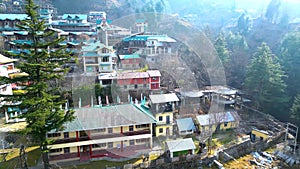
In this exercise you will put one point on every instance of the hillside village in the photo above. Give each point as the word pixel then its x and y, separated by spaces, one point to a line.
pixel 141 116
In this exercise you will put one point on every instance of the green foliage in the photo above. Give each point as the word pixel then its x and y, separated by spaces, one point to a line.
pixel 221 48
pixel 264 81
pixel 290 59
pixel 44 65
pixel 295 109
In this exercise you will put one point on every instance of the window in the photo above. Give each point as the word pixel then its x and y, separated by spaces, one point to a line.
pixel 110 145
pixel 55 150
pixel 145 80
pixel 142 126
pixel 225 124
pixel 100 130
pixel 136 86
pixel 131 142
pixel 110 130
pixel 130 128
pixel 161 130
pixel 145 86
pixel 160 118
pixel 54 135
pixel 99 145
pixel 105 59
pixel 125 86
pixel 67 150
pixel 66 134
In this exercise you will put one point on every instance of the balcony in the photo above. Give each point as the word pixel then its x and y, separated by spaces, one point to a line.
pixel 70 140
pixel 96 136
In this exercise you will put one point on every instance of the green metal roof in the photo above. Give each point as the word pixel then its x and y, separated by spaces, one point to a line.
pixel 133 56
pixel 104 117
pixel 75 17
pixel 90 54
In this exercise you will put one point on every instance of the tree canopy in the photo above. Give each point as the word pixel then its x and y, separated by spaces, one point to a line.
pixel 264 81
pixel 43 64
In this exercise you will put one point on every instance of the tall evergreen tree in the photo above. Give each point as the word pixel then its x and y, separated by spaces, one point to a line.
pixel 295 109
pixel 221 48
pixel 43 62
pixel 290 59
pixel 264 81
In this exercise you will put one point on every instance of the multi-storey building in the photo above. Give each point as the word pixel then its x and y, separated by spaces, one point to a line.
pixel 73 23
pixel 149 80
pixel 163 107
pixel 149 45
pixel 7 69
pixel 119 131
pixel 98 58
pixel 130 62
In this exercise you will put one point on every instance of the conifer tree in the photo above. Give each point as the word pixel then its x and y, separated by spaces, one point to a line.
pixel 43 62
pixel 264 81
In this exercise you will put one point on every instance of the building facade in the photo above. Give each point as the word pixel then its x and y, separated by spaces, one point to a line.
pixel 163 107
pixel 119 131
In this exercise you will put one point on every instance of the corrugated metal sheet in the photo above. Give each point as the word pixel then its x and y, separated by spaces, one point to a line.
pixel 185 124
pixel 180 145
pixel 163 98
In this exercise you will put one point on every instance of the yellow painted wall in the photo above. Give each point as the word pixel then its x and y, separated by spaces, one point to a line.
pixel 73 149
pixel 117 130
pixel 259 134
pixel 72 134
pixel 164 130
pixel 164 117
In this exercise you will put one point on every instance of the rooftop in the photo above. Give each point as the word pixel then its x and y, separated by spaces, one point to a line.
pixel 163 98
pixel 180 145
pixel 75 17
pixel 132 75
pixel 109 116
pixel 213 118
pixel 4 59
pixel 160 38
pixel 13 16
pixel 154 73
pixel 133 56
pixel 185 124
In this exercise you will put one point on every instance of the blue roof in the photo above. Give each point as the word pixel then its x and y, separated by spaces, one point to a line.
pixel 75 16
pixel 213 118
pixel 93 46
pixel 140 21
pixel 185 124
pixel 13 16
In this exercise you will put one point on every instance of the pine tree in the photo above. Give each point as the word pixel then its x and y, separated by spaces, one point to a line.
pixel 221 48
pixel 264 81
pixel 43 62
pixel 295 109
